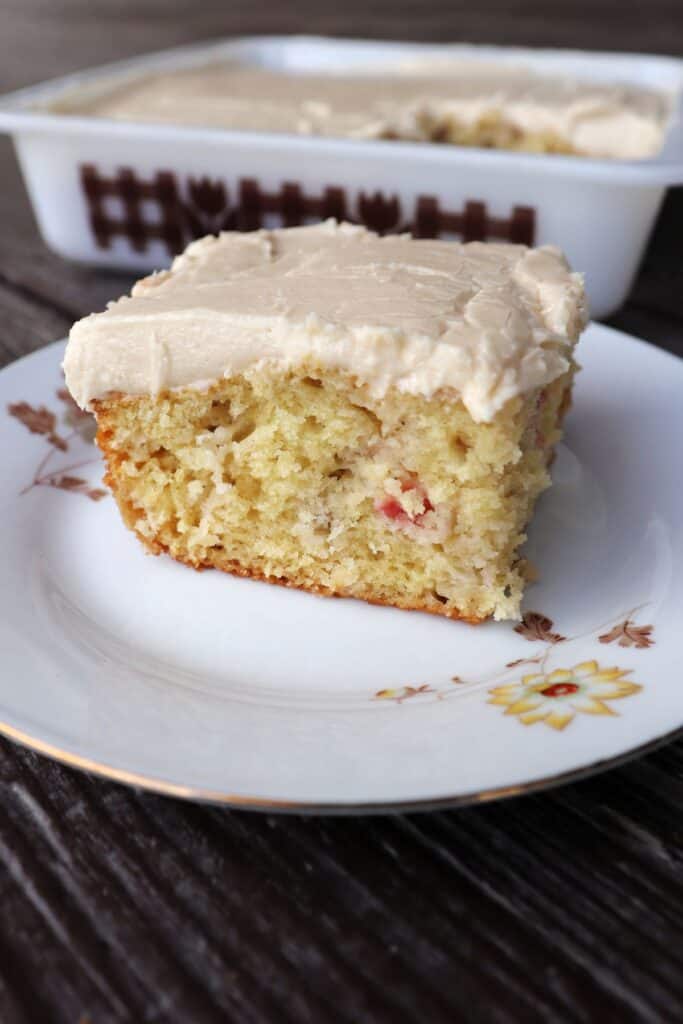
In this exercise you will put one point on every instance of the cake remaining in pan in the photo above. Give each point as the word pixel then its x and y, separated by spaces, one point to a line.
pixel 459 102
pixel 327 409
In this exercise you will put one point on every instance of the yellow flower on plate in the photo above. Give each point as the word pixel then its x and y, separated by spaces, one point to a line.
pixel 556 697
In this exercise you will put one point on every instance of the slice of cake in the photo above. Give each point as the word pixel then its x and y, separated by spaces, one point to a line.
pixel 327 409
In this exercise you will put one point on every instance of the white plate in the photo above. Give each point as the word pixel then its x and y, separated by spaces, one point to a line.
pixel 206 686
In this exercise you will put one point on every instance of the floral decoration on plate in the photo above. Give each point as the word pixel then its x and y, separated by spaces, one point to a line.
pixel 80 431
pixel 556 696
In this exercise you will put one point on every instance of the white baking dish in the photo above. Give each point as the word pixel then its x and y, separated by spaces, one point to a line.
pixel 130 195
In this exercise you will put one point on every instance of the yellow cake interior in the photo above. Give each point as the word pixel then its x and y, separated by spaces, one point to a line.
pixel 303 478
pixel 494 131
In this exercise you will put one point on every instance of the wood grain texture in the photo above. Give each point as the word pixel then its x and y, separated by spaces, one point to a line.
pixel 117 906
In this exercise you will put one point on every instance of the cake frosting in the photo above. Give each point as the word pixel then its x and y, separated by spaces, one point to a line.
pixel 486 321
pixel 419 102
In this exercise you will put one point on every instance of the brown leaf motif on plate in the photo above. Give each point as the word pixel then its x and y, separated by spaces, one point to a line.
pixel 39 421
pixel 628 634
pixel 535 626
pixel 75 483
pixel 44 422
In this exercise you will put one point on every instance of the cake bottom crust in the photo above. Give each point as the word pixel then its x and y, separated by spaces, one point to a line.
pixel 234 568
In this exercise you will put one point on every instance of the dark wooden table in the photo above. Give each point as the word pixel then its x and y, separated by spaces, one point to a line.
pixel 120 906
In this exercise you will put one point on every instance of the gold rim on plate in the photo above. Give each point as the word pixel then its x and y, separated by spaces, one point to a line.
pixel 264 804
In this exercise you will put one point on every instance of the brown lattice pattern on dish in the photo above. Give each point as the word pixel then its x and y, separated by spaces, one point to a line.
pixel 207 205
